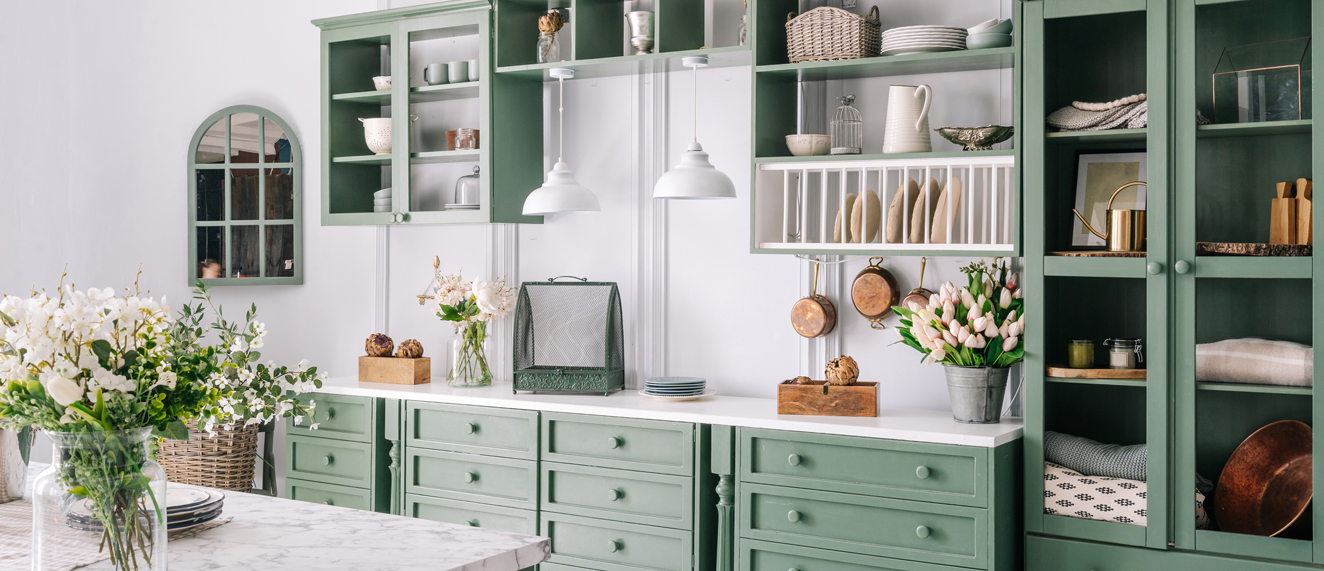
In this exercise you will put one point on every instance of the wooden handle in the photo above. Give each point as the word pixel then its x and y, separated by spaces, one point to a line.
pixel 1284 190
pixel 1303 187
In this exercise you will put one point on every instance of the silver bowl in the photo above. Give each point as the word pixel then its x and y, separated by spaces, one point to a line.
pixel 976 138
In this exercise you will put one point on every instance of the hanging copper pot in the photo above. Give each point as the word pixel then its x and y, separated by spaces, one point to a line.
pixel 814 316
pixel 919 295
pixel 874 292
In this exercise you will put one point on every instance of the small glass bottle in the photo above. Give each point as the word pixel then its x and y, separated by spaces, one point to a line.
pixel 743 31
pixel 1123 353
pixel 549 47
pixel 847 128
pixel 1080 354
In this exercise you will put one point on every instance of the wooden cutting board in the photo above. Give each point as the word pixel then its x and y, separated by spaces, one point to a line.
pixel 1069 373
pixel 1282 216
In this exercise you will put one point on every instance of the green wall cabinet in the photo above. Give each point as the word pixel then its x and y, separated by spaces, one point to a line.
pixel 1207 183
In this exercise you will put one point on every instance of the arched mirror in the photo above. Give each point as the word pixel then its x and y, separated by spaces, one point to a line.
pixel 245 200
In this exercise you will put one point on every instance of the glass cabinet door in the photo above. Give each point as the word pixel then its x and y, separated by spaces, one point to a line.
pixel 1244 295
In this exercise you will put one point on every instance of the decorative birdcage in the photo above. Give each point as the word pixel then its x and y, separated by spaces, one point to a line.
pixel 847 128
pixel 569 337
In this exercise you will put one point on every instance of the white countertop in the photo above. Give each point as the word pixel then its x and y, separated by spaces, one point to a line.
pixel 275 534
pixel 910 425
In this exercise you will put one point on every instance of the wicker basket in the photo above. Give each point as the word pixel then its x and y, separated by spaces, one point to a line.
pixel 224 461
pixel 824 34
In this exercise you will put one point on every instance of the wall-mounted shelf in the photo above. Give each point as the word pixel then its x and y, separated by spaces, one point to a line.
pixel 424 93
pixel 1098 382
pixel 962 155
pixel 364 159
pixel 889 66
pixel 1261 389
pixel 627 65
pixel 1106 135
pixel 1094 267
pixel 381 97
pixel 1301 267
pixel 467 155
pixel 1254 129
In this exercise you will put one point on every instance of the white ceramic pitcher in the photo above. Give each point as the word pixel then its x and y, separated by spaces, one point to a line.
pixel 907 129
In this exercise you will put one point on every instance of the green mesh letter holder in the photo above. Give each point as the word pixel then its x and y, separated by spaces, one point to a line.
pixel 569 338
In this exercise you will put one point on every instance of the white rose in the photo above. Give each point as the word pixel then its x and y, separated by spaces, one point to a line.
pixel 485 295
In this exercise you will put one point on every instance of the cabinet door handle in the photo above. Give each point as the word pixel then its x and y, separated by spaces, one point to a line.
pixel 922 472
pixel 613 442
pixel 1182 266
pixel 793 516
pixel 616 494
pixel 1154 268
pixel 614 545
pixel 470 428
pixel 922 532
pixel 473 523
pixel 328 460
pixel 470 477
pixel 793 459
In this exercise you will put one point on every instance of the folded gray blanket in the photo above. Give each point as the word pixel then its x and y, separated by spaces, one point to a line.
pixel 1094 458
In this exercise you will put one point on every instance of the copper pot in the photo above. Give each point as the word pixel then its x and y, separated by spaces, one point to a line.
pixel 919 295
pixel 814 316
pixel 1265 486
pixel 874 292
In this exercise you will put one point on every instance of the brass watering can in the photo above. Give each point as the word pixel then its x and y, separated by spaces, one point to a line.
pixel 1126 228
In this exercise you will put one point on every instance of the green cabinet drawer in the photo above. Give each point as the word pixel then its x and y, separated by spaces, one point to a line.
pixel 621 495
pixel 470 477
pixel 318 493
pixel 613 546
pixel 907 470
pixel 478 430
pixel 629 444
pixel 752 555
pixel 932 533
pixel 339 417
pixel 469 513
pixel 329 461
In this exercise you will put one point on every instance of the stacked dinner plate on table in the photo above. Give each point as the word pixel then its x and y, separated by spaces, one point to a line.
pixel 186 507
pixel 676 388
pixel 923 40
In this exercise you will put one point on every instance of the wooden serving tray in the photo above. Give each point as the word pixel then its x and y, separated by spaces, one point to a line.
pixel 1069 373
pixel 1250 249
pixel 395 370
pixel 820 398
pixel 1098 254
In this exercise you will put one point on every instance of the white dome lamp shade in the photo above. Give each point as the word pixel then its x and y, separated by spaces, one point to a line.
pixel 560 193
pixel 694 177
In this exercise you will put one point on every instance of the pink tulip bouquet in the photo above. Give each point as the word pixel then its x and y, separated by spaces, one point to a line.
pixel 978 325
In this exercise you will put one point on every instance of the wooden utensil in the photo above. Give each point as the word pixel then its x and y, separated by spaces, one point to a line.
pixel 1304 221
pixel 919 295
pixel 814 316
pixel 874 292
pixel 1282 217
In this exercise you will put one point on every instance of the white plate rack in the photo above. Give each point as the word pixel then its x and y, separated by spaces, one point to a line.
pixel 796 204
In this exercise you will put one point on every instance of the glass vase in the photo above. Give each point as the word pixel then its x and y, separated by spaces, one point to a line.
pixel 102 497
pixel 549 47
pixel 742 32
pixel 469 358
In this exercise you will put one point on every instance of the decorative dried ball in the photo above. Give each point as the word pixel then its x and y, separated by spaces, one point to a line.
pixel 409 349
pixel 842 371
pixel 379 345
pixel 801 380
pixel 550 22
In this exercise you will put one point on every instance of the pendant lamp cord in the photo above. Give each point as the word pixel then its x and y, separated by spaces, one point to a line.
pixel 696 104
pixel 560 110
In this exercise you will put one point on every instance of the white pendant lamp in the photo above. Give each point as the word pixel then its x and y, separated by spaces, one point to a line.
pixel 560 193
pixel 694 177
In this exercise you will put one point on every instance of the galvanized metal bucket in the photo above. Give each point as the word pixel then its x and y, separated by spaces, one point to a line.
pixel 976 393
pixel 13 463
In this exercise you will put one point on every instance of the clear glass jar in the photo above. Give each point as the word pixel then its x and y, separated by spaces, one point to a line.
pixel 104 494
pixel 743 31
pixel 469 367
pixel 847 128
pixel 1124 353
pixel 549 47
pixel 1080 354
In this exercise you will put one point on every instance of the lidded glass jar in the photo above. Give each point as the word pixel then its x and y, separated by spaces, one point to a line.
pixel 847 128
pixel 552 27
pixel 1124 353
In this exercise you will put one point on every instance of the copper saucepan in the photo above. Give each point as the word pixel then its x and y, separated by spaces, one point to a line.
pixel 814 316
pixel 1265 486
pixel 919 295
pixel 874 292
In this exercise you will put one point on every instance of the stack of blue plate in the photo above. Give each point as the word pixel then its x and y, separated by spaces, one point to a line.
pixel 675 386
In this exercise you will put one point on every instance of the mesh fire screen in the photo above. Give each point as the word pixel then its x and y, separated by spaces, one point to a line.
pixel 569 337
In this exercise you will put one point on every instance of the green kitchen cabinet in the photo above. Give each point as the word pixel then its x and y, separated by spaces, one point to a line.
pixel 1207 183
pixel 419 167
pixel 347 461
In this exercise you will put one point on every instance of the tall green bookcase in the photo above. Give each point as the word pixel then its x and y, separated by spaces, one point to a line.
pixel 1207 183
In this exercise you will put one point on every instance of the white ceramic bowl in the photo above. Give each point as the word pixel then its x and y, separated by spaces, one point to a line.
pixel 986 24
pixel 381 202
pixel 383 193
pixel 383 82
pixel 987 40
pixel 808 145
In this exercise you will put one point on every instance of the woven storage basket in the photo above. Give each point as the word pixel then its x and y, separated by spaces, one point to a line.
pixel 825 33
pixel 225 461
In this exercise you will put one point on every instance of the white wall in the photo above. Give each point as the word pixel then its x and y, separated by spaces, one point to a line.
pixel 95 122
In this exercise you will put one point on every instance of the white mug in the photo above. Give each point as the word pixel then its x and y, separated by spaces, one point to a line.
pixel 435 74
pixel 907 129
pixel 473 70
pixel 459 71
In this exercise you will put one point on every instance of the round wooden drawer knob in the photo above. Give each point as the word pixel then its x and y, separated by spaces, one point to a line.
pixel 1182 266
pixel 470 428
pixel 1154 268
pixel 922 472
pixel 470 477
pixel 793 516
pixel 613 442
pixel 614 545
pixel 922 532
pixel 793 459
pixel 616 494
pixel 328 460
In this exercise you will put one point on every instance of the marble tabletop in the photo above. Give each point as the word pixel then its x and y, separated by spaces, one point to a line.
pixel 275 534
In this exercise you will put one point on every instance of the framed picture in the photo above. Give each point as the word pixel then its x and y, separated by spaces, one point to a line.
pixel 1098 175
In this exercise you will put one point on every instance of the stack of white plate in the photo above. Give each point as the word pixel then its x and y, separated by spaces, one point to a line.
pixel 186 507
pixel 381 200
pixel 923 40
pixel 676 388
